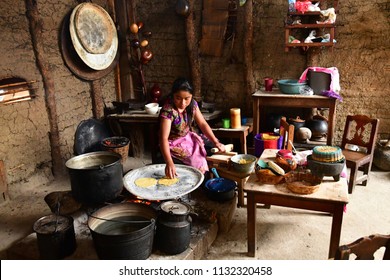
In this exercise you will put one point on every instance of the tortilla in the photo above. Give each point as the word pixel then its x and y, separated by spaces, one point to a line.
pixel 145 182
pixel 168 182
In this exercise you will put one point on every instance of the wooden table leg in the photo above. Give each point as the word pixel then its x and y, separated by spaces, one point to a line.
pixel 336 230
pixel 251 224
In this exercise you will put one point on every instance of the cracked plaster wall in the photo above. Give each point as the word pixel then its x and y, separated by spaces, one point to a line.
pixel 361 55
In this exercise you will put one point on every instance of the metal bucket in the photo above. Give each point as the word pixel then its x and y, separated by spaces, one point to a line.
pixel 123 231
pixel 55 237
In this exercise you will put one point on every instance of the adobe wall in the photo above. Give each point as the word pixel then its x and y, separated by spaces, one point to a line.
pixel 361 55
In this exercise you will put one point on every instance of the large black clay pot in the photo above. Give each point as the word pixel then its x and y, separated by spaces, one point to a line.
pixel 297 123
pixel 95 177
pixel 318 126
pixel 272 122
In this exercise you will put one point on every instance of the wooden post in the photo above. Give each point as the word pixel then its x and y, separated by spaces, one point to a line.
pixel 97 100
pixel 248 53
pixel 193 53
pixel 111 11
pixel 3 181
pixel 36 31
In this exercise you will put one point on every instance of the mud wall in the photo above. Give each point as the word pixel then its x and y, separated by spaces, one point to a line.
pixel 361 55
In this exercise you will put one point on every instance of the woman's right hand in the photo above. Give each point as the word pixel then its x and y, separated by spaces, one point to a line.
pixel 170 170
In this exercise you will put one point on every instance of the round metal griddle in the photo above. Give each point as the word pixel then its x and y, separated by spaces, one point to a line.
pixel 190 179
pixel 74 62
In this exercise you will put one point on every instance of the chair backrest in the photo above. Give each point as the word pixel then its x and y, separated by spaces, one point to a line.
pixel 365 248
pixel 361 131
pixel 287 131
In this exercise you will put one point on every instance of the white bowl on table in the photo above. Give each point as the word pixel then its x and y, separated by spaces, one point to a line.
pixel 152 108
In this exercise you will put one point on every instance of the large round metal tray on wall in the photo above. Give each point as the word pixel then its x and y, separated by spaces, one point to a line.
pixel 74 62
pixel 189 177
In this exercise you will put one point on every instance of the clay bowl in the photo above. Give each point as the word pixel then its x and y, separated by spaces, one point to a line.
pixel 322 169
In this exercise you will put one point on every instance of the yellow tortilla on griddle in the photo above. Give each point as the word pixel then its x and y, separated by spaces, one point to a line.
pixel 168 182
pixel 145 182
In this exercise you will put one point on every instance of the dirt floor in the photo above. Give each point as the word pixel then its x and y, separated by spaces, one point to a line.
pixel 282 233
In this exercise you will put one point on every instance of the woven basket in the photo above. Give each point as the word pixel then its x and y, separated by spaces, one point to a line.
pixel 302 183
pixel 117 144
pixel 266 176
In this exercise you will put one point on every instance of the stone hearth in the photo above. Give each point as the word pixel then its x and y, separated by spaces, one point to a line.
pixel 211 217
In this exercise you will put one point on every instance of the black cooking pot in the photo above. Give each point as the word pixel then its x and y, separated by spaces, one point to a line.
pixel 297 123
pixel 272 121
pixel 318 126
pixel 95 177
pixel 123 231
pixel 173 228
pixel 220 189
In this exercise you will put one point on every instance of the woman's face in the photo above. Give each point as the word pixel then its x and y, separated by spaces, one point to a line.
pixel 182 99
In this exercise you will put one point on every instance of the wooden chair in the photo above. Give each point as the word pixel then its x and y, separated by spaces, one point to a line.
pixel 359 131
pixel 364 248
pixel 287 131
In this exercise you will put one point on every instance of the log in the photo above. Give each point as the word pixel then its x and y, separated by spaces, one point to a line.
pixel 118 90
pixel 97 100
pixel 193 53
pixel 3 182
pixel 36 31
pixel 248 54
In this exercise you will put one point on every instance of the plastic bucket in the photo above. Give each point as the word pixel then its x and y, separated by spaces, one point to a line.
pixel 261 145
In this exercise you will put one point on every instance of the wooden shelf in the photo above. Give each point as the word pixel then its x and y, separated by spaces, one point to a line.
pixel 311 26
pixel 309 20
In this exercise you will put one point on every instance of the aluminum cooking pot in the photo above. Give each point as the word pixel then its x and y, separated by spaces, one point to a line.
pixel 220 189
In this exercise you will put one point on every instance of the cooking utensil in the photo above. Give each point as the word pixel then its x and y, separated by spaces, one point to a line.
pixel 261 164
pixel 95 177
pixel 74 62
pixel 114 239
pixel 173 230
pixel 220 189
pixel 190 179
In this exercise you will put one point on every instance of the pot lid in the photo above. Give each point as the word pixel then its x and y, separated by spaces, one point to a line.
pixel 93 34
pixel 297 119
pixel 52 223
pixel 175 207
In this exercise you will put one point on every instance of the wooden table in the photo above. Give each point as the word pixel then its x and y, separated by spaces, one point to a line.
pixel 240 133
pixel 138 119
pixel 330 198
pixel 277 99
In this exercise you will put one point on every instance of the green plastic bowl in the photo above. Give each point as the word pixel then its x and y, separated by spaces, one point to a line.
pixel 290 86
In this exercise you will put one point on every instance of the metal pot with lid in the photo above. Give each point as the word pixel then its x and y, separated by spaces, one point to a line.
pixel 173 229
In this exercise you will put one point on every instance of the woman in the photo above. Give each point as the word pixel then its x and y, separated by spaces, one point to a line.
pixel 177 139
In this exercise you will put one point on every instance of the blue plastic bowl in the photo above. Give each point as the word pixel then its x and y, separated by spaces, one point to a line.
pixel 290 86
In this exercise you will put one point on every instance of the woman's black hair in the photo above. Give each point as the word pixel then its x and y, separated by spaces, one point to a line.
pixel 182 84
